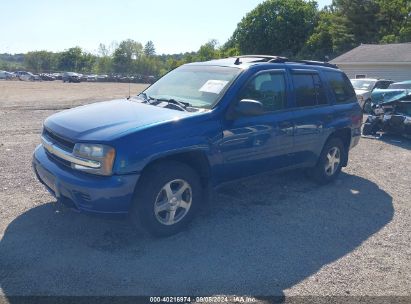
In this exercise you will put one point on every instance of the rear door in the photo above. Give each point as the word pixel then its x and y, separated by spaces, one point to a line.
pixel 311 116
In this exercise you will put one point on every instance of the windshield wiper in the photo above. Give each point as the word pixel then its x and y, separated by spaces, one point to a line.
pixel 181 104
pixel 146 98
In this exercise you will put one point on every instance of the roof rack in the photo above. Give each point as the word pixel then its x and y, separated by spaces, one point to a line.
pixel 279 59
pixel 320 63
pixel 262 58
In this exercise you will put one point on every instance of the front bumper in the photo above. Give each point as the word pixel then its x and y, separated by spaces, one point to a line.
pixel 82 191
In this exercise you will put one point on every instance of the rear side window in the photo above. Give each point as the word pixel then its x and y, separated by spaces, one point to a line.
pixel 341 87
pixel 309 90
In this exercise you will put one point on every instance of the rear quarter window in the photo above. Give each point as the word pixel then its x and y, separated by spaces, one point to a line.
pixel 340 86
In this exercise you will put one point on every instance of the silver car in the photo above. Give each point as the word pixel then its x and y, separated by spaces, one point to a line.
pixel 27 76
pixel 363 88
pixel 6 75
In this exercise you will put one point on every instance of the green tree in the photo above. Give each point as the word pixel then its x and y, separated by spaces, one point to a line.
pixel 208 51
pixel 278 27
pixel 103 64
pixel 394 20
pixel 405 31
pixel 149 49
pixel 360 19
pixel 125 55
pixel 70 60
pixel 40 61
pixel 330 38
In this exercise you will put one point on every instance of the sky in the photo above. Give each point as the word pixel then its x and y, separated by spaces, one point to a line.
pixel 174 26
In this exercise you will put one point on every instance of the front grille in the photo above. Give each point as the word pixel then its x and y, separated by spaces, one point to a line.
pixel 58 159
pixel 59 140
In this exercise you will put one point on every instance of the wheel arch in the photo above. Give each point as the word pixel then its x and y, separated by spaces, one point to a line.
pixel 195 159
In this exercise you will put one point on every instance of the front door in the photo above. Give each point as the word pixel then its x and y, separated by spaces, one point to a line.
pixel 252 144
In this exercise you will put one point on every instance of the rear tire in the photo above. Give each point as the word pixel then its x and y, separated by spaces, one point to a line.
pixel 167 198
pixel 330 162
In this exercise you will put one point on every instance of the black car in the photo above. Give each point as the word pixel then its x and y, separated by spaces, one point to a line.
pixel 47 77
pixel 71 77
pixel 393 117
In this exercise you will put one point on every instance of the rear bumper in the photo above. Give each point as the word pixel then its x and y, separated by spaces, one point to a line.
pixel 355 137
pixel 82 191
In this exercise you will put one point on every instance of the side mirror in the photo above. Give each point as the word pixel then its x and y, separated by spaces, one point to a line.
pixel 249 107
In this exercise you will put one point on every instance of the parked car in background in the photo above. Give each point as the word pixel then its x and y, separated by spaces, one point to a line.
pixel 71 77
pixel 149 79
pixel 91 78
pixel 6 75
pixel 395 91
pixel 155 155
pixel 102 78
pixel 47 77
pixel 363 88
pixel 58 76
pixel 27 76
pixel 391 112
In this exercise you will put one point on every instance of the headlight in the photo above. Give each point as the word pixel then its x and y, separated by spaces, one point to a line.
pixel 407 120
pixel 102 154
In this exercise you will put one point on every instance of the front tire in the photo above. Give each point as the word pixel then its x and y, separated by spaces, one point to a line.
pixel 167 198
pixel 330 162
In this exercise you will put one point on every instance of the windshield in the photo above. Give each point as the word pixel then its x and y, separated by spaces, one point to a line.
pixel 200 86
pixel 360 84
pixel 400 85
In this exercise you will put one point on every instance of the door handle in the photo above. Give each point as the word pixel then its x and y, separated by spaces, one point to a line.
pixel 287 127
pixel 286 124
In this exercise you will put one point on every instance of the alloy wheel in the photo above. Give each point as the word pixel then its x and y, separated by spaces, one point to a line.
pixel 333 161
pixel 173 202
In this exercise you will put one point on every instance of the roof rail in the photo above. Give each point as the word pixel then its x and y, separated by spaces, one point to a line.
pixel 261 58
pixel 320 63
pixel 279 59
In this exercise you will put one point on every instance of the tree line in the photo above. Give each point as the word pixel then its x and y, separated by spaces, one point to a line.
pixel 292 28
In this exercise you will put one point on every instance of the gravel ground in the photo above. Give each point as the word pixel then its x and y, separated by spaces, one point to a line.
pixel 267 235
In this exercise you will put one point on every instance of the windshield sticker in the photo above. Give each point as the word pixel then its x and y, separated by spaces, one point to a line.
pixel 213 86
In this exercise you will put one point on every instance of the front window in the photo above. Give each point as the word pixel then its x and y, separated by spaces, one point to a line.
pixel 400 86
pixel 360 84
pixel 269 89
pixel 200 86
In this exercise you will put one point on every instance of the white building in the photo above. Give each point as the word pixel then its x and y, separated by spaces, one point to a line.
pixel 387 61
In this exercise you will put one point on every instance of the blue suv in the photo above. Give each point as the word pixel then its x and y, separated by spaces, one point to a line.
pixel 156 155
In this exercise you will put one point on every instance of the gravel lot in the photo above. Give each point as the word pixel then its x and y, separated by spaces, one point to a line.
pixel 270 235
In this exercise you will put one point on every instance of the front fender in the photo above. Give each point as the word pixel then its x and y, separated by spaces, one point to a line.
pixel 137 150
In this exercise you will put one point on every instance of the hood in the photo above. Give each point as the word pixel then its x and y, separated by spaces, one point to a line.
pixel 104 121
pixel 361 92
pixel 387 96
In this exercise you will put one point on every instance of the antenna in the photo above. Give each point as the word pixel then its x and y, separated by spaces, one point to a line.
pixel 129 89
